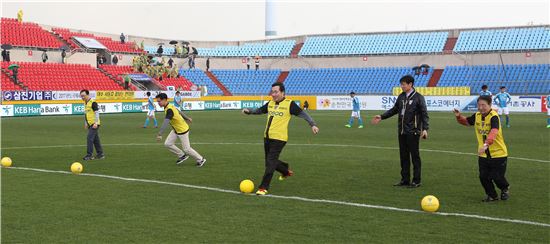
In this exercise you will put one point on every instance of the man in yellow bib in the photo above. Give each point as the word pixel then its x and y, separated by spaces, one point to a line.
pixel 92 123
pixel 492 151
pixel 279 111
pixel 180 129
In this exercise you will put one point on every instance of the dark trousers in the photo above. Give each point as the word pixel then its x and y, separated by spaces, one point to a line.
pixel 93 140
pixel 493 170
pixel 408 148
pixel 273 149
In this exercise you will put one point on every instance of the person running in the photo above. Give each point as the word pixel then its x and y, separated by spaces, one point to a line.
pixel 151 112
pixel 180 130
pixel 502 99
pixel 279 111
pixel 356 112
pixel 492 151
pixel 92 123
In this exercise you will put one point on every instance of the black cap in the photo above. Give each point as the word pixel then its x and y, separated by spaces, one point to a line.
pixel 352 93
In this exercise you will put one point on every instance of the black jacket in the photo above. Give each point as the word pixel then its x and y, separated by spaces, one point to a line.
pixel 415 117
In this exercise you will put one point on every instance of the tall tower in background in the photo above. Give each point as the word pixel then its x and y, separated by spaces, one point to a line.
pixel 270 18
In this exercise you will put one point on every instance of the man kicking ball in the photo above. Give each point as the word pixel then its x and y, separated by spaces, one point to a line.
pixel 180 129
pixel 279 111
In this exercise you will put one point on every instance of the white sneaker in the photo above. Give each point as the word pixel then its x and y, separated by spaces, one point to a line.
pixel 201 163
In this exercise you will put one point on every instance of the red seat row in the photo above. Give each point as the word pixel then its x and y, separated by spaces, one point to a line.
pixel 26 34
pixel 54 76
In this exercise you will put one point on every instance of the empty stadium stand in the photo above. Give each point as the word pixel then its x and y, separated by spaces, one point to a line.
pixel 380 80
pixel 503 39
pixel 199 78
pixel 7 84
pixel 518 78
pixel 166 50
pixel 402 43
pixel 27 34
pixel 277 48
pixel 63 77
pixel 247 82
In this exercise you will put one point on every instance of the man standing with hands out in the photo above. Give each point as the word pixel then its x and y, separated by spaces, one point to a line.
pixel 413 124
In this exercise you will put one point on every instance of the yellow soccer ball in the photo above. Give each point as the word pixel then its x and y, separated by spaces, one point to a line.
pixel 77 168
pixel 430 203
pixel 6 162
pixel 246 186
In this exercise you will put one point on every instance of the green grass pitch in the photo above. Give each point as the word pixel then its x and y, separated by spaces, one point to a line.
pixel 339 164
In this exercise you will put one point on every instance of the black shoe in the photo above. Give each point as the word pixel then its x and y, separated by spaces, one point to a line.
pixel 415 185
pixel 401 183
pixel 101 156
pixel 505 194
pixel 182 158
pixel 201 163
pixel 490 199
pixel 88 158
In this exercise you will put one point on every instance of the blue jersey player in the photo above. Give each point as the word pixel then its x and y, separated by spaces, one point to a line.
pixel 151 112
pixel 356 112
pixel 485 91
pixel 502 99
pixel 178 101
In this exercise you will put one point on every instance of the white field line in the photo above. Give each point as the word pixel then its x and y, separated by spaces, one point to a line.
pixel 248 143
pixel 296 198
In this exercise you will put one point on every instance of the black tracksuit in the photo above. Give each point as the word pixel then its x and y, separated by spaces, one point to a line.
pixel 413 119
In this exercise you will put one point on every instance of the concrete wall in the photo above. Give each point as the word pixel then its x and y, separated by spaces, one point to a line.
pixel 83 58
pixel 436 61
pixel 285 64
pixel 28 55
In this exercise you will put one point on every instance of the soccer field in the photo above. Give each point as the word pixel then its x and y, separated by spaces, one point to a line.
pixel 341 191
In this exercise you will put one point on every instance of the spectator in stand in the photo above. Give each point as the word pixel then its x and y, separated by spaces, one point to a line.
pixel 122 38
pixel 115 59
pixel 207 64
pixel 170 62
pixel 186 49
pixel 126 81
pixel 44 56
pixel 103 59
pixel 248 61
pixel 160 50
pixel 257 62
pixel 14 74
pixel 142 45
pixel 20 16
pixel 63 55
pixel 4 55
pixel 8 59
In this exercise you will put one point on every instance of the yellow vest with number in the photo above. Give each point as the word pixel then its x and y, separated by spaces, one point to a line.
pixel 278 116
pixel 89 113
pixel 177 122
pixel 482 128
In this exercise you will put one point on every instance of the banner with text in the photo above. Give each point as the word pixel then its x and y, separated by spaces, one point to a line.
pixel 433 103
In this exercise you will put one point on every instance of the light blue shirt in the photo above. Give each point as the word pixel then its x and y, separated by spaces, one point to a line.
pixel 356 104
pixel 502 98
pixel 485 93
pixel 548 101
pixel 150 103
pixel 177 100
